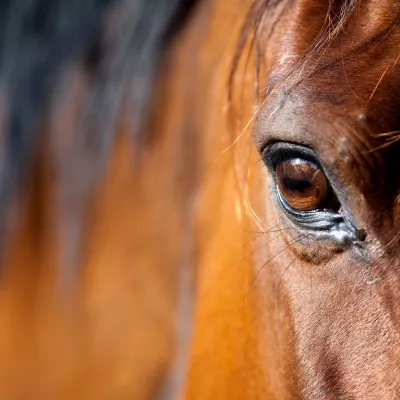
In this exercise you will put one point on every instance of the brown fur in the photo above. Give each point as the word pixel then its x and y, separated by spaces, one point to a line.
pixel 334 87
pixel 318 322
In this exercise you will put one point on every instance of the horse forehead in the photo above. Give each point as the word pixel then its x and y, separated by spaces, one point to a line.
pixel 308 16
pixel 356 74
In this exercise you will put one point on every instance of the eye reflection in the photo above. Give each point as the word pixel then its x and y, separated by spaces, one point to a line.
pixel 302 184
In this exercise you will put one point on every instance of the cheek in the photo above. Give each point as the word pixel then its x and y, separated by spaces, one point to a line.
pixel 338 313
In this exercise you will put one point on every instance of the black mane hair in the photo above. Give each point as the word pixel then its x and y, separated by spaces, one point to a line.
pixel 41 39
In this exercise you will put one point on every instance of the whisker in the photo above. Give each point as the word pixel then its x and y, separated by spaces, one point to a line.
pixel 268 230
pixel 259 248
pixel 387 144
pixel 280 281
pixel 261 234
pixel 251 240
pixel 297 239
pixel 379 82
pixel 386 134
pixel 249 231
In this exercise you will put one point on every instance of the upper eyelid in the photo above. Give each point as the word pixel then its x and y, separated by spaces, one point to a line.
pixel 272 153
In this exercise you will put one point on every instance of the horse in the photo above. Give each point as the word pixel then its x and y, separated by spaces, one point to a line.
pixel 154 248
pixel 298 282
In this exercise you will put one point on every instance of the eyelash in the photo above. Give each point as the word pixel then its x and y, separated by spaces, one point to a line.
pixel 276 152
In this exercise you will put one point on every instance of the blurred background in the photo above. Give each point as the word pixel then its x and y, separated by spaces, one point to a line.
pixel 119 202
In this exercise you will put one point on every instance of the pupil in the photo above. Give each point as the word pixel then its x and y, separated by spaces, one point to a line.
pixel 296 185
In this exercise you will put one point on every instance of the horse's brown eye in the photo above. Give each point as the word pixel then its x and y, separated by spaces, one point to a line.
pixel 302 184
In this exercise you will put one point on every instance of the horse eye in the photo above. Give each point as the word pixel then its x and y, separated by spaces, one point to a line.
pixel 302 184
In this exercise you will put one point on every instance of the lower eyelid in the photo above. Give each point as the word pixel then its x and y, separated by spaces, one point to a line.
pixel 318 218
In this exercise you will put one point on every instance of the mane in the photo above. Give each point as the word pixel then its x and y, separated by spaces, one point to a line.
pixel 116 43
